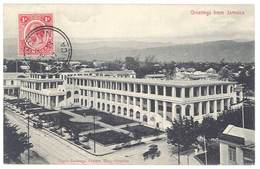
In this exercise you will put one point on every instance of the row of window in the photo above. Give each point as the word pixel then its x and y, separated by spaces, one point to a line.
pixel 152 89
pixel 39 86
pixel 151 104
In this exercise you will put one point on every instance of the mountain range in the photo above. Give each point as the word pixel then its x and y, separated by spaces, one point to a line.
pixel 212 51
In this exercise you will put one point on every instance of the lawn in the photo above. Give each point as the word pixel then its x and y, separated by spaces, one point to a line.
pixel 82 126
pixel 142 131
pixel 106 117
pixel 110 137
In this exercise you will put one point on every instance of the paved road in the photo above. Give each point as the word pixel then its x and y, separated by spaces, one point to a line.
pixel 57 151
pixel 48 146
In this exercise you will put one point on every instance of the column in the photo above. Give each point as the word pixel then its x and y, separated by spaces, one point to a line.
pixel 141 103
pixel 222 104
pixel 173 92
pixel 192 109
pixel 149 105
pixel 228 103
pixel 183 110
pixel 191 91
pixel 164 90
pixel 182 92
pixel 200 108
pixel 148 89
pixel 141 88
pixel 156 106
pixel 57 101
pixel 207 107
pixel 199 91
pixel 164 113
pixel 173 112
pixel 156 90
pixel 215 106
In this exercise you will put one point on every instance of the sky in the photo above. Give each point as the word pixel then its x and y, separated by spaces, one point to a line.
pixel 174 23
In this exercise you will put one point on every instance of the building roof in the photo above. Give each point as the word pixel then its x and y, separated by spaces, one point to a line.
pixel 117 72
pixel 41 80
pixel 177 82
pixel 155 75
pixel 238 135
pixel 13 75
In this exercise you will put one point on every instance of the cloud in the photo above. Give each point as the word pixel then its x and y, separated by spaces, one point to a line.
pixel 140 21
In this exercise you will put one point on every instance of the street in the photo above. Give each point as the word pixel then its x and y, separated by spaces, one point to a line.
pixel 58 151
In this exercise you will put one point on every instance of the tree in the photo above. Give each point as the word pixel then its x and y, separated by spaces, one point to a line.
pixel 131 63
pixel 183 133
pixel 15 143
pixel 209 128
pixel 225 74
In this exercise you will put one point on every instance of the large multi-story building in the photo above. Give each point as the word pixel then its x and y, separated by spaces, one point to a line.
pixel 152 102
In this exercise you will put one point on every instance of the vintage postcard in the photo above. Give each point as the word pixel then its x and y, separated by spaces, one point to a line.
pixel 129 84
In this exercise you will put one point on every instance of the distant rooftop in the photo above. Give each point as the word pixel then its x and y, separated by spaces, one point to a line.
pixel 117 72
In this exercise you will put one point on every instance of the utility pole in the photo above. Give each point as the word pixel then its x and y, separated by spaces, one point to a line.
pixel 28 132
pixel 179 159
pixel 94 130
pixel 242 108
pixel 205 149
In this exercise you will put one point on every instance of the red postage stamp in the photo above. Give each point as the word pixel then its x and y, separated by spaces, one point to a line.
pixel 35 43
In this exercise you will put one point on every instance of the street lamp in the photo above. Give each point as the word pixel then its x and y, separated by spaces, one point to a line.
pixel 28 133
pixel 94 128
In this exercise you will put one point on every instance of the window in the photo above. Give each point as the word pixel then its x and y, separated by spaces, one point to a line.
pixel 218 105
pixel 119 87
pixel 178 92
pixel 187 92
pixel 196 109
pixel 211 90
pixel 178 109
pixel 145 89
pixel 144 104
pixel 196 92
pixel 119 98
pixel 152 88
pixel 131 99
pixel 211 106
pixel 131 86
pixel 12 82
pixel 168 106
pixel 187 110
pixel 168 91
pixel 204 107
pixel 125 86
pixel 160 90
pixel 232 154
pixel 225 88
pixel 137 115
pixel 138 88
pixel 218 88
pixel 108 96
pixel 152 102
pixel 203 91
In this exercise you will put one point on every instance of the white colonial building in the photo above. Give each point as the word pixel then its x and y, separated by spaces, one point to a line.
pixel 150 101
